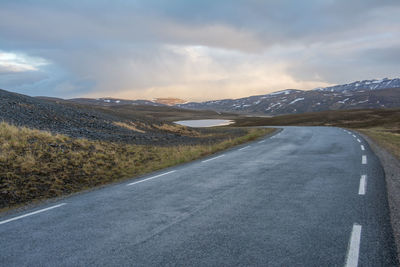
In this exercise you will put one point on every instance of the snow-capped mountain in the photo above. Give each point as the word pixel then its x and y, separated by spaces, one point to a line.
pixel 364 85
pixel 383 93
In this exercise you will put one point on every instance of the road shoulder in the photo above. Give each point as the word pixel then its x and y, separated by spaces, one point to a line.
pixel 391 167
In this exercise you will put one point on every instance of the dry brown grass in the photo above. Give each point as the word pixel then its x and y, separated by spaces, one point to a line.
pixel 130 125
pixel 178 129
pixel 37 165
pixel 386 138
pixel 171 128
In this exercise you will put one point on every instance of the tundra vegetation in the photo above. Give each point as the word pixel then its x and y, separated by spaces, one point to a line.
pixel 36 165
pixel 388 139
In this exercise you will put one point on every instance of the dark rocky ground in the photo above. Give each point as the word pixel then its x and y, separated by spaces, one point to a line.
pixel 91 123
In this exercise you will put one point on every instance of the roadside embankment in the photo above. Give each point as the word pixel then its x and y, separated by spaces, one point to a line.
pixel 37 165
pixel 387 147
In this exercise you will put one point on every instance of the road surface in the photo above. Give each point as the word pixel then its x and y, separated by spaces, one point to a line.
pixel 308 196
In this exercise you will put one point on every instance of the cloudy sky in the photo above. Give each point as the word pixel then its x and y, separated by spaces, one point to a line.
pixel 194 49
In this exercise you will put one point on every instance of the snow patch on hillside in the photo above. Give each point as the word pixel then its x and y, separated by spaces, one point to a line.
pixel 286 92
pixel 296 100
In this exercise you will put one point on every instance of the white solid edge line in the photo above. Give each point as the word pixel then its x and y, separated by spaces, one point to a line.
pixel 364 159
pixel 358 140
pixel 261 141
pixel 32 213
pixel 363 185
pixel 354 247
pixel 213 158
pixel 362 147
pixel 244 147
pixel 151 178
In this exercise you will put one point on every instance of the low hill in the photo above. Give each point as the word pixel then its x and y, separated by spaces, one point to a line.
pixel 95 123
pixel 164 113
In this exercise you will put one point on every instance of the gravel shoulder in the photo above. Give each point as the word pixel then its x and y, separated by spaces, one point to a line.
pixel 391 167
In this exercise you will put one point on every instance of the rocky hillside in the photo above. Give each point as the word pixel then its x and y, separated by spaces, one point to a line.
pixel 358 95
pixel 59 116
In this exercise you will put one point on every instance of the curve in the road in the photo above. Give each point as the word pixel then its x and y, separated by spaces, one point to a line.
pixel 308 196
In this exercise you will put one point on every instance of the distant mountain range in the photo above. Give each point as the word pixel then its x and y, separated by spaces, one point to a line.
pixel 113 101
pixel 109 101
pixel 383 93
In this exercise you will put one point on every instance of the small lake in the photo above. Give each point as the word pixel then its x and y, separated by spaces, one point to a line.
pixel 204 123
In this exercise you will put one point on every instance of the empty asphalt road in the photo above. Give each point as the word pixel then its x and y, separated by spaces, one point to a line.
pixel 308 196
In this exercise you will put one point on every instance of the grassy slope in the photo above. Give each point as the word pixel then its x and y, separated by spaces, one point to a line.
pixel 389 140
pixel 37 165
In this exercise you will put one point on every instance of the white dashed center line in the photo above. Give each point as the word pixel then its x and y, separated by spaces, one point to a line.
pixel 32 213
pixel 354 247
pixel 358 140
pixel 364 159
pixel 362 148
pixel 150 178
pixel 363 185
pixel 213 158
pixel 354 136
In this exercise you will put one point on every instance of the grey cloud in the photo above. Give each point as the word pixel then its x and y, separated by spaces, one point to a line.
pixel 389 55
pixel 336 66
pixel 13 80
pixel 95 46
pixel 267 22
